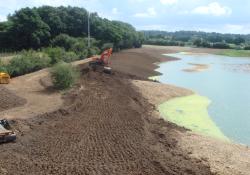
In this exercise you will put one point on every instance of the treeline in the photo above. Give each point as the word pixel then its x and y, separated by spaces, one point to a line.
pixel 35 28
pixel 199 39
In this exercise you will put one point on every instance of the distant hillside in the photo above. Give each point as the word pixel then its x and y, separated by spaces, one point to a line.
pixel 200 39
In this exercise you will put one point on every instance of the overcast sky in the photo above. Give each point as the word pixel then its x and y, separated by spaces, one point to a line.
pixel 224 16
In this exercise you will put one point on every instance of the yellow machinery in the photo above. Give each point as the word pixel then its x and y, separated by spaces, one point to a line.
pixel 4 78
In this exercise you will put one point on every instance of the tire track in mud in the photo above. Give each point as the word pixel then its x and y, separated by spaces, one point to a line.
pixel 104 128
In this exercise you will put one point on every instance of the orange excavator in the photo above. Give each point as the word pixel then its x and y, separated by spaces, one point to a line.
pixel 103 62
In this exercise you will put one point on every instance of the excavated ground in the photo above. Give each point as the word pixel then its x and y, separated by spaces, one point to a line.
pixel 105 127
pixel 9 100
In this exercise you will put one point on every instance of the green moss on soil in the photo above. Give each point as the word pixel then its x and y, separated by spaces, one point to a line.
pixel 191 112
pixel 154 78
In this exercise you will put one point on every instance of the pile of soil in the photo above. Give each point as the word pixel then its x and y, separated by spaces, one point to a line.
pixel 140 62
pixel 105 127
pixel 9 100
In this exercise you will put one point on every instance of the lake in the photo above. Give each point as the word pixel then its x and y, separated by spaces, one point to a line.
pixel 225 81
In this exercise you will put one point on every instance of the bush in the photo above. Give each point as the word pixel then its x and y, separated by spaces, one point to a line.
pixel 3 67
pixel 107 46
pixel 64 75
pixel 79 47
pixel 56 54
pixel 69 57
pixel 247 48
pixel 27 62
pixel 83 54
pixel 93 51
pixel 65 41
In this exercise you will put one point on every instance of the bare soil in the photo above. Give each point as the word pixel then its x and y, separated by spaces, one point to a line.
pixel 9 99
pixel 104 127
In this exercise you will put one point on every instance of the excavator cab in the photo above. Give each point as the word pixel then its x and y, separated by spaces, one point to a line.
pixel 102 62
pixel 4 78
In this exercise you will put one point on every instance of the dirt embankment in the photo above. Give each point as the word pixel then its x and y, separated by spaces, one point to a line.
pixel 9 99
pixel 105 127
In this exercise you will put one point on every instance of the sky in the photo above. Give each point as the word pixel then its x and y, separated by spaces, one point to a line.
pixel 223 16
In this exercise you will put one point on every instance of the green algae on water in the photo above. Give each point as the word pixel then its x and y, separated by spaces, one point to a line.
pixel 191 112
pixel 154 78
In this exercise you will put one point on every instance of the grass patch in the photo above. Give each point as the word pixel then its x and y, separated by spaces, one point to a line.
pixel 235 53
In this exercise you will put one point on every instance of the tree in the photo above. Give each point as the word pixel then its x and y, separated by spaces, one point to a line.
pixel 28 30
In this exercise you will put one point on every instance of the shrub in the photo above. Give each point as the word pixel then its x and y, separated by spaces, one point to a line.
pixel 56 54
pixel 79 47
pixel 65 41
pixel 83 54
pixel 93 51
pixel 3 67
pixel 69 57
pixel 107 46
pixel 64 75
pixel 27 62
pixel 247 48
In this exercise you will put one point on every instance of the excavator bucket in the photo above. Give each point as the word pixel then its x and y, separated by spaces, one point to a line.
pixel 4 78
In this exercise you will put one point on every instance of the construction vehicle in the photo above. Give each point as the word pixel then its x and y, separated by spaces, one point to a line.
pixel 4 78
pixel 6 135
pixel 103 62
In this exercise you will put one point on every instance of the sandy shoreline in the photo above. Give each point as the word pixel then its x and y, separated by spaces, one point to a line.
pixel 227 159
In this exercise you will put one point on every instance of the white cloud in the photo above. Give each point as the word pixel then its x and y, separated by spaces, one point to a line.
pixel 168 2
pixel 115 11
pixel 136 1
pixel 3 18
pixel 149 13
pixel 214 9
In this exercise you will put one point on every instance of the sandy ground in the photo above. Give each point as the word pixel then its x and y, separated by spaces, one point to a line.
pixel 36 92
pixel 196 67
pixel 108 124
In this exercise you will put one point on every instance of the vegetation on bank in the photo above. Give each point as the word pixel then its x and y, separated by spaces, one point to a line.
pixel 235 53
pixel 64 75
pixel 44 36
pixel 198 39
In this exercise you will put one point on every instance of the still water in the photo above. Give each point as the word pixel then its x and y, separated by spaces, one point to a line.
pixel 226 83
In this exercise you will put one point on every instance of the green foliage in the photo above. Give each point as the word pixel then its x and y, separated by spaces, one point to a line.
pixel 70 56
pixel 28 30
pixel 64 41
pixel 27 62
pixel 56 54
pixel 3 67
pixel 64 75
pixel 62 27
pixel 93 51
pixel 199 39
pixel 107 46
pixel 247 47
pixel 235 53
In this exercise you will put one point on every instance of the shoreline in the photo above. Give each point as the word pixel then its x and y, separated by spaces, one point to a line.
pixel 203 124
pixel 110 123
pixel 218 160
